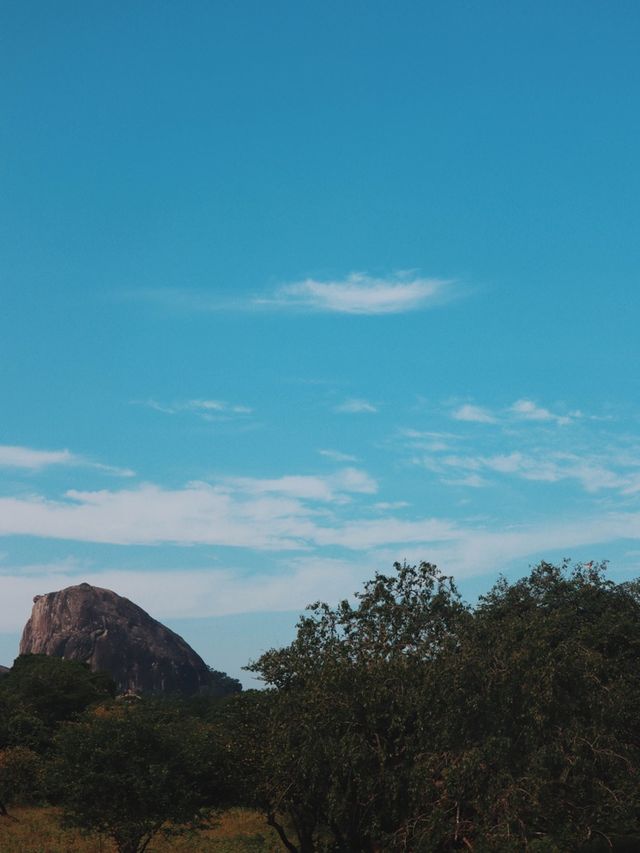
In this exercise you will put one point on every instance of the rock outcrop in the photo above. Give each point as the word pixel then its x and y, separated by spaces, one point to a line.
pixel 111 633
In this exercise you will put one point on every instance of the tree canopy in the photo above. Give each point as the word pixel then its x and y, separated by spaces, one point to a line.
pixel 131 771
pixel 40 691
pixel 404 720
pixel 413 721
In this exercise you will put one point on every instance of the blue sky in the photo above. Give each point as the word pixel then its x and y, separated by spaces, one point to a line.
pixel 292 291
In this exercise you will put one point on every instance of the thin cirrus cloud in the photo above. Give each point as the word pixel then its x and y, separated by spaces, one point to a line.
pixel 592 472
pixel 12 456
pixel 286 514
pixel 279 513
pixel 337 455
pixel 529 411
pixel 465 550
pixel 355 406
pixel 32 459
pixel 206 408
pixel 475 414
pixel 333 487
pixel 359 293
pixel 356 293
pixel 209 591
pixel 521 410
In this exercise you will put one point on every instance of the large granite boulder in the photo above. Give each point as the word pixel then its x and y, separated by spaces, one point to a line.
pixel 111 633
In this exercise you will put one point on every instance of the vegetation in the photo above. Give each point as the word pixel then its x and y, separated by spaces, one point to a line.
pixel 40 692
pixel 39 830
pixel 413 722
pixel 406 721
pixel 129 772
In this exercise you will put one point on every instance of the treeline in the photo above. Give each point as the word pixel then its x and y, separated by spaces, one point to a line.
pixel 406 721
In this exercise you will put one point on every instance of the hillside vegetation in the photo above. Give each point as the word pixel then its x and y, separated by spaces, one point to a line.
pixel 406 721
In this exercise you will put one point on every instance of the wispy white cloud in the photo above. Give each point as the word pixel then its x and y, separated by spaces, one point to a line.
pixel 355 406
pixel 337 455
pixel 320 488
pixel 476 550
pixel 522 410
pixel 464 549
pixel 474 481
pixel 208 409
pixel 110 469
pixel 356 293
pixel 429 440
pixel 286 514
pixel 386 506
pixel 31 459
pixel 280 513
pixel 591 471
pixel 359 293
pixel 196 514
pixel 529 411
pixel 476 414
pixel 180 593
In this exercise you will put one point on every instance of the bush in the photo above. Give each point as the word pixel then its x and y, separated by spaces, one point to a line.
pixel 21 776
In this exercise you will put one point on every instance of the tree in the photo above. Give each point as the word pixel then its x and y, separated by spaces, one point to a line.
pixel 20 776
pixel 343 715
pixel 49 689
pixel 414 722
pixel 129 772
pixel 530 734
pixel 539 735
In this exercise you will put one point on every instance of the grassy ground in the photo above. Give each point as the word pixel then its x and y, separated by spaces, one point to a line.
pixel 36 830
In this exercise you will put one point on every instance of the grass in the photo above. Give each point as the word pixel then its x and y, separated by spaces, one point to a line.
pixel 37 830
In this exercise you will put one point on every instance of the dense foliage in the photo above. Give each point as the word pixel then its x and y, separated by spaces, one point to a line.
pixel 130 771
pixel 404 721
pixel 413 722
pixel 39 692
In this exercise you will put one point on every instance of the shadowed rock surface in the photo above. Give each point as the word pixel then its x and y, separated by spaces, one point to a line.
pixel 4 670
pixel 111 633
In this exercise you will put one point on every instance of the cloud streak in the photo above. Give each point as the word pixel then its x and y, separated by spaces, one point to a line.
pixel 592 472
pixel 30 459
pixel 522 410
pixel 293 513
pixel 265 514
pixel 360 293
pixel 475 414
pixel 465 551
pixel 209 409
pixel 337 455
pixel 355 293
pixel 199 593
pixel 529 411
pixel 355 406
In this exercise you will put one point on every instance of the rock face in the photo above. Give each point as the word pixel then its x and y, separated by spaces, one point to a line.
pixel 111 633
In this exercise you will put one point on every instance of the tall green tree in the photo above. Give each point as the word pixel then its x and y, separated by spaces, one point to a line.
pixel 343 711
pixel 539 737
pixel 410 721
pixel 130 772
pixel 43 691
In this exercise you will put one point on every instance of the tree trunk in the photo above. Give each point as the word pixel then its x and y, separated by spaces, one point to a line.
pixel 129 845
pixel 271 820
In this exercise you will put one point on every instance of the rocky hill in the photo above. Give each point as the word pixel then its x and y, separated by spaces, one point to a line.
pixel 111 633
